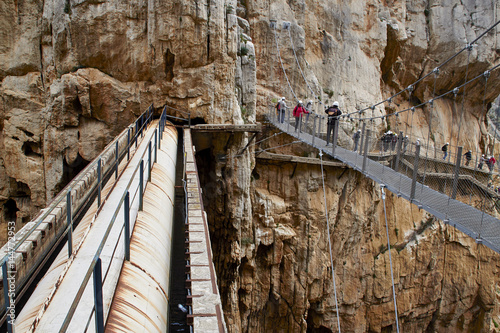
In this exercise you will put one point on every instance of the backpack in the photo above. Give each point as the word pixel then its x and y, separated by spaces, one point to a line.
pixel 444 148
pixel 492 160
pixel 278 106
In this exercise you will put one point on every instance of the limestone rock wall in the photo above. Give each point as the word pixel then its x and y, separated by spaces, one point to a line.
pixel 74 72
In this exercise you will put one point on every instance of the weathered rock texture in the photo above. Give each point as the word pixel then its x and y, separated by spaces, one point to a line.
pixel 74 72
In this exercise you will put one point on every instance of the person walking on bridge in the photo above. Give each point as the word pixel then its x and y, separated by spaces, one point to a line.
pixel 281 109
pixel 309 107
pixel 356 137
pixel 333 113
pixel 445 150
pixel 298 111
pixel 468 157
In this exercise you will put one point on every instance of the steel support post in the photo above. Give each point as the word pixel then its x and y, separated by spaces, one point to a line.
pixel 141 182
pixel 128 144
pixel 314 130
pixel 126 210
pixel 99 176
pixel 415 172
pixel 398 150
pixel 156 145
pixel 335 133
pixel 116 159
pixel 288 125
pixel 69 220
pixel 365 150
pixel 457 173
pixel 150 162
pixel 98 304
pixel 363 134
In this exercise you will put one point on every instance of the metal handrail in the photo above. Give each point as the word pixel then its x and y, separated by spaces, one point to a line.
pixel 66 192
pixel 62 195
pixel 96 258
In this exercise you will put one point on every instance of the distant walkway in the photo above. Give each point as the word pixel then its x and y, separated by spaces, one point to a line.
pixel 477 224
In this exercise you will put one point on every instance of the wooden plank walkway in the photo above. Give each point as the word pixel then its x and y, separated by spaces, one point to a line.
pixel 482 227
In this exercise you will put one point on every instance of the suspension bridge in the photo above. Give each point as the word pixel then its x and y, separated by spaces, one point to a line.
pixel 463 196
pixel 130 185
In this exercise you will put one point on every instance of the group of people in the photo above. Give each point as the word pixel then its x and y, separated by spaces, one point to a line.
pixel 489 161
pixel 333 112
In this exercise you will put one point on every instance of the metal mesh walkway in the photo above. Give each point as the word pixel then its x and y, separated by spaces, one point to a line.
pixel 484 228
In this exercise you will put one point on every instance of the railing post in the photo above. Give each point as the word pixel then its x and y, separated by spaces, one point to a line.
pixel 457 173
pixel 363 134
pixel 69 220
pixel 141 182
pixel 99 310
pixel 128 144
pixel 335 134
pixel 150 162
pixel 99 183
pixel 314 130
pixel 126 210
pixel 415 172
pixel 156 145
pixel 116 160
pixel 189 122
pixel 136 134
pixel 365 152
pixel 398 150
pixel 6 292
pixel 288 126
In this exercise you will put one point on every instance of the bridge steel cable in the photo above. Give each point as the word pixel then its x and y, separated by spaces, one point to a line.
pixel 329 240
pixel 468 46
pixel 282 67
pixel 487 72
pixel 300 68
pixel 390 258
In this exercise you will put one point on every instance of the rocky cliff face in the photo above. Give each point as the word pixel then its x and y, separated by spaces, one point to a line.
pixel 74 73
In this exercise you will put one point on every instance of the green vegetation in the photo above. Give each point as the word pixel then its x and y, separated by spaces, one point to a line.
pixel 328 92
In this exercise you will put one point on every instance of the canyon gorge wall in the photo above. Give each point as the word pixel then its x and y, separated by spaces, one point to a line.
pixel 74 73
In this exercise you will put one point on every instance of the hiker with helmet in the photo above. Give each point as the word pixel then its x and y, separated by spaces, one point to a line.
pixel 309 107
pixel 298 111
pixel 445 150
pixel 468 157
pixel 280 109
pixel 333 113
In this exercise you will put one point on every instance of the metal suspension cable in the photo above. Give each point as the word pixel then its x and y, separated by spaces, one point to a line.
pixel 463 98
pixel 282 67
pixel 390 258
pixel 300 68
pixel 486 76
pixel 286 144
pixel 329 241
pixel 438 97
pixel 437 68
pixel 430 129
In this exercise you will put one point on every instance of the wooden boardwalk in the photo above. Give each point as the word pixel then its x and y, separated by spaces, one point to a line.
pixel 482 227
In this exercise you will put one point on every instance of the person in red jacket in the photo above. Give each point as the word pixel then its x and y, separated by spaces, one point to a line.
pixel 298 111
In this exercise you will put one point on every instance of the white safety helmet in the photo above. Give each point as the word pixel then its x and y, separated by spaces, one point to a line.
pixel 447 143
pixel 300 102
pixel 310 101
pixel 336 103
pixel 282 98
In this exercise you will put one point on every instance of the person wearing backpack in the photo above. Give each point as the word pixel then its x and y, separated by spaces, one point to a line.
pixel 333 113
pixel 445 150
pixel 468 157
pixel 281 109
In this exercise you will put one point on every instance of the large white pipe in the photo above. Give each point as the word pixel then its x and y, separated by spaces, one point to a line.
pixel 140 303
